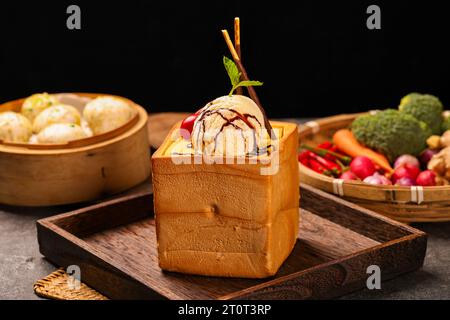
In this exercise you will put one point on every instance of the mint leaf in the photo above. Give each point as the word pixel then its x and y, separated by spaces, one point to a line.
pixel 235 76
pixel 246 83
pixel 232 70
pixel 249 83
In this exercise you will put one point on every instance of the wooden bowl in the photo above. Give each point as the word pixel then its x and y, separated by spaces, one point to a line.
pixel 82 170
pixel 405 204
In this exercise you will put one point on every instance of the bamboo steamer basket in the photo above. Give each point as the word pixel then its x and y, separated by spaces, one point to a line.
pixel 405 204
pixel 81 170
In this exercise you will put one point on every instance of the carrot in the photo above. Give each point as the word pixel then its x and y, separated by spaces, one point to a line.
pixel 346 142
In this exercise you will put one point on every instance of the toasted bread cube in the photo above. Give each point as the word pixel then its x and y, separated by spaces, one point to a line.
pixel 227 219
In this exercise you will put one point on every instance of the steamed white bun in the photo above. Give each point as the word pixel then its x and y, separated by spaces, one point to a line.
pixel 60 113
pixel 36 103
pixel 105 113
pixel 14 127
pixel 61 133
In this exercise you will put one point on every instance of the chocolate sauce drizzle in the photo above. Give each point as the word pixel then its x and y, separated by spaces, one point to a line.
pixel 230 122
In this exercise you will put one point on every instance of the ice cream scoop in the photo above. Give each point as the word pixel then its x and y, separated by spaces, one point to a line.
pixel 231 125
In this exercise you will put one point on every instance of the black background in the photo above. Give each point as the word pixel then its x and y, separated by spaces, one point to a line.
pixel 316 58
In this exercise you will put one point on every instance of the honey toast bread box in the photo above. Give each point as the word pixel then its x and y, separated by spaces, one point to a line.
pixel 227 219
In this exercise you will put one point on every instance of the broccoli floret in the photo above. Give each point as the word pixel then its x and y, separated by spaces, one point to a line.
pixel 424 107
pixel 446 122
pixel 391 133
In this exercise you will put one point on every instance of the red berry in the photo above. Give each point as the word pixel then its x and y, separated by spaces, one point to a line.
pixel 187 125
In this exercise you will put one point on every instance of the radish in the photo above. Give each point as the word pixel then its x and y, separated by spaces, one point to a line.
pixel 405 181
pixel 426 178
pixel 362 166
pixel 406 159
pixel 426 156
pixel 405 171
pixel 349 176
pixel 377 179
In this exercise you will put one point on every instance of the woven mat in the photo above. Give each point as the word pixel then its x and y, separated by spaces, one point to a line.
pixel 56 286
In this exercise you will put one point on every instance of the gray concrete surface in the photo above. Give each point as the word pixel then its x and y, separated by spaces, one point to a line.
pixel 21 264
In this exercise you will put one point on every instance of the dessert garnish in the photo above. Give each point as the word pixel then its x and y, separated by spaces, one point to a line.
pixel 236 83
pixel 235 76
pixel 187 125
pixel 234 124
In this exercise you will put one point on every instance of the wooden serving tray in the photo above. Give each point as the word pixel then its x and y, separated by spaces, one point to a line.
pixel 114 244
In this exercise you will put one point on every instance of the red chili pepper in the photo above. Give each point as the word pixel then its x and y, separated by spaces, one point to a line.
pixel 303 155
pixel 326 145
pixel 334 149
pixel 325 162
pixel 303 158
pixel 330 165
pixel 317 167
pixel 337 152
pixel 319 164
pixel 305 162
pixel 328 155
pixel 324 152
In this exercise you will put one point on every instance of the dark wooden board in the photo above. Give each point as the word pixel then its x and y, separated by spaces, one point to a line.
pixel 114 244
